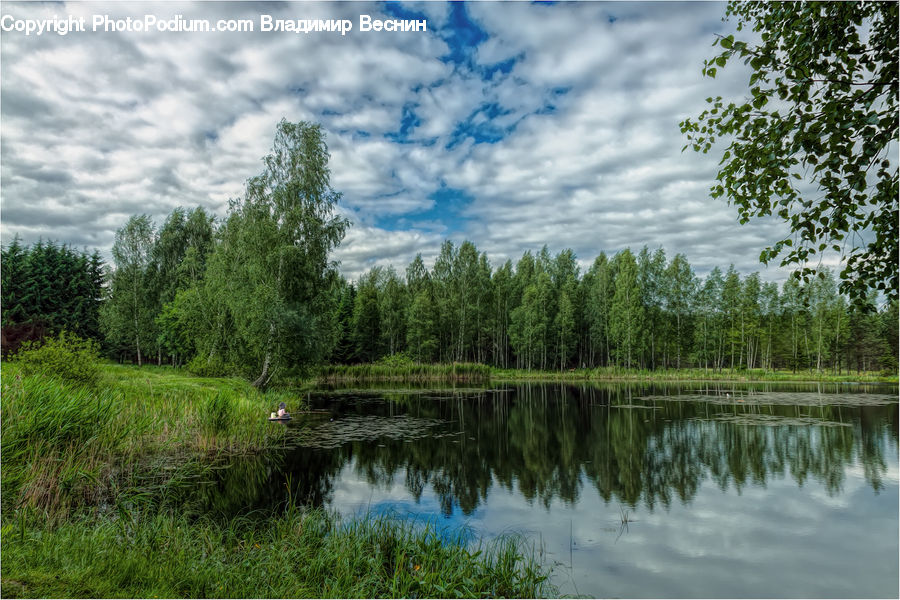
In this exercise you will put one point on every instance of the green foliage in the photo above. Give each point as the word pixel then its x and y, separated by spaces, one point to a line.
pixel 203 366
pixel 171 336
pixel 421 330
pixel 343 347
pixel 254 296
pixel 815 143
pixel 626 305
pixel 598 309
pixel 179 252
pixel 66 357
pixel 129 313
pixel 366 322
pixel 392 308
pixel 399 359
pixel 51 287
pixel 644 311
pixel 268 279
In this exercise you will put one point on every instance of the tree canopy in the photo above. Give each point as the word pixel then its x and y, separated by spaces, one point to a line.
pixel 272 257
pixel 46 289
pixel 816 141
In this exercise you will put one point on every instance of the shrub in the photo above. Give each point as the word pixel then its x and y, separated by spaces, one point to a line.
pixel 204 367
pixel 399 359
pixel 66 357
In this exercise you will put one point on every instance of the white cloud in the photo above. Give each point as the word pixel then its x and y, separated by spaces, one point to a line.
pixel 97 126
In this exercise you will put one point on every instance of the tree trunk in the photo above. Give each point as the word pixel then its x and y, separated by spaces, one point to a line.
pixel 263 378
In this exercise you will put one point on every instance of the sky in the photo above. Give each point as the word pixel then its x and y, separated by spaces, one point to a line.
pixel 513 125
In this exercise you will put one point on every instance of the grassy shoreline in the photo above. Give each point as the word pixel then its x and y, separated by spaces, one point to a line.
pixel 406 371
pixel 613 374
pixel 79 519
pixel 66 446
pixel 471 372
pixel 300 553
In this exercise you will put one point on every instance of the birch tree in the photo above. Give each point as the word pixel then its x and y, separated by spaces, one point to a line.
pixel 274 254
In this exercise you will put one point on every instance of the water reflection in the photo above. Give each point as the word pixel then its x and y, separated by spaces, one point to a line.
pixel 729 491
pixel 635 445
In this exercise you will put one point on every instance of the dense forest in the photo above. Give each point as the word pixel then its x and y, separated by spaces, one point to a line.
pixel 49 288
pixel 256 293
pixel 634 310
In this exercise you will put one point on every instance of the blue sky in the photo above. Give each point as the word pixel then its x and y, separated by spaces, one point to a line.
pixel 511 125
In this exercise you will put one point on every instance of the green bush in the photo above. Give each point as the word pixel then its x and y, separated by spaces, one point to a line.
pixel 398 359
pixel 203 367
pixel 66 357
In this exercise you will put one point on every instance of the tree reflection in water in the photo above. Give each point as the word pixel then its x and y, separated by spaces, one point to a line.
pixel 634 444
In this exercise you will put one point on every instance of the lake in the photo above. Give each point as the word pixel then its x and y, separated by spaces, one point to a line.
pixel 628 490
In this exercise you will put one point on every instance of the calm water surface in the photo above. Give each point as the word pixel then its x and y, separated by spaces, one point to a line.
pixel 694 490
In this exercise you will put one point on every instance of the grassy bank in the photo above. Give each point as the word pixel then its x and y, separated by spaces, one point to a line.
pixel 405 371
pixel 90 480
pixel 297 554
pixel 471 372
pixel 66 445
pixel 747 375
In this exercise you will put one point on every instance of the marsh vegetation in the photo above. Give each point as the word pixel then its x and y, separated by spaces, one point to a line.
pixel 99 492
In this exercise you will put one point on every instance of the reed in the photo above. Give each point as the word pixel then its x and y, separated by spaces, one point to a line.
pixel 66 445
pixel 614 373
pixel 414 372
pixel 296 554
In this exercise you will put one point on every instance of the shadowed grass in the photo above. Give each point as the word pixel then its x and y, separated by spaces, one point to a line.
pixel 297 554
pixel 65 445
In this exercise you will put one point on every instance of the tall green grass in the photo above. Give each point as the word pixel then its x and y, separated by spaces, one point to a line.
pixel 614 373
pixel 414 372
pixel 296 554
pixel 65 445
pixel 92 489
pixel 55 440
pixel 216 413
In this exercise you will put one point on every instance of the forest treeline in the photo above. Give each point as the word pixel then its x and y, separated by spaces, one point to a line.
pixel 256 293
pixel 164 303
pixel 640 310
